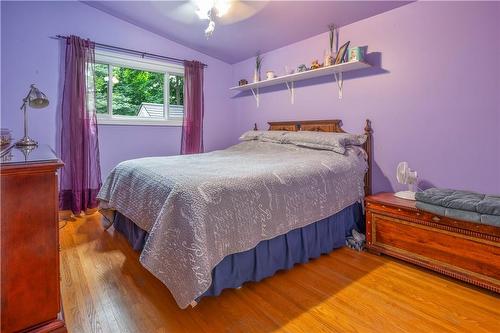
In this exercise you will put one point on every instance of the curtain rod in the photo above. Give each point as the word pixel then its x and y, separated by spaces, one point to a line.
pixel 130 51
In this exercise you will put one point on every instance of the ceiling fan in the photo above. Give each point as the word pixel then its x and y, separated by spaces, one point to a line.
pixel 210 10
pixel 222 12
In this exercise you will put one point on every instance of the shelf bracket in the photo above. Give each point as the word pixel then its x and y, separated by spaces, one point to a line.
pixel 255 93
pixel 340 82
pixel 291 90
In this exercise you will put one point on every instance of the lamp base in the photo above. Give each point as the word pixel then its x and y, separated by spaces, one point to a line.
pixel 26 142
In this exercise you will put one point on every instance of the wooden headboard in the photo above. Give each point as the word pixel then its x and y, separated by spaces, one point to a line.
pixel 334 125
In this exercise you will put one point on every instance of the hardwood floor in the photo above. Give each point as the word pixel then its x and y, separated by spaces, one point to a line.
pixel 105 289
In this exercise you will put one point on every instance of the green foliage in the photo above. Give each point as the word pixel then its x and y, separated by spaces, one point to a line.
pixel 101 88
pixel 132 87
pixel 176 86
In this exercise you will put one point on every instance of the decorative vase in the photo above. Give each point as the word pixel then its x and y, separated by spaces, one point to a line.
pixel 328 59
pixel 256 76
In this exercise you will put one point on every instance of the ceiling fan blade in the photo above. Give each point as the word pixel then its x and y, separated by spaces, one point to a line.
pixel 185 11
pixel 181 11
pixel 242 10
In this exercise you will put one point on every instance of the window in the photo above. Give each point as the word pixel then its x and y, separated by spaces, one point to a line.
pixel 136 91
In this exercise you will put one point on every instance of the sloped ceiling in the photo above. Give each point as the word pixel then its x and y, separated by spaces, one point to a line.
pixel 249 26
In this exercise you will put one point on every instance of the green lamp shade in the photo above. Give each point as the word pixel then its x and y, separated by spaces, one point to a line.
pixel 37 99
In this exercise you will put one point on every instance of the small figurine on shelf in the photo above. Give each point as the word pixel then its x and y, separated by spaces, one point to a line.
pixel 315 64
pixel 301 68
pixel 270 75
pixel 242 82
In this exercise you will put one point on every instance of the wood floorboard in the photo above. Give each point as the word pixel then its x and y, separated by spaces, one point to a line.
pixel 105 289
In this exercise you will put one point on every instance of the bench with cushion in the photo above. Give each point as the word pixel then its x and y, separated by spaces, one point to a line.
pixel 461 205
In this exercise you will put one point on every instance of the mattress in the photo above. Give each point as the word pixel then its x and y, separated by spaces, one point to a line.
pixel 198 209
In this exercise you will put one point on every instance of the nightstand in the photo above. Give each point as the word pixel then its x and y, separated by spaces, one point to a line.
pixel 464 250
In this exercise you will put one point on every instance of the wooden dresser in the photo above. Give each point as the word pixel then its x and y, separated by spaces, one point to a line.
pixel 464 250
pixel 30 241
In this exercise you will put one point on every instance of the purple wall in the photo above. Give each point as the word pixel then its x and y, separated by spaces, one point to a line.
pixel 433 100
pixel 29 56
pixel 432 96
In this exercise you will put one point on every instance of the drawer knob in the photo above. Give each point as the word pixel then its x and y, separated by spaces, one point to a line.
pixel 436 219
pixel 399 209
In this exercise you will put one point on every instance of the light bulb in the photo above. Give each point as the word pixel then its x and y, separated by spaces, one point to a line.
pixel 208 9
pixel 210 29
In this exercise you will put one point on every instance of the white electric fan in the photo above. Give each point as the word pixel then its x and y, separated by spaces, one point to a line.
pixel 405 175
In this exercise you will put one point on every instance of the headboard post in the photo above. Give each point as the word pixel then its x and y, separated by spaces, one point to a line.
pixel 368 148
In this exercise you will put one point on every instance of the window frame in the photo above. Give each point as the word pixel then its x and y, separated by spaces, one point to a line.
pixel 135 62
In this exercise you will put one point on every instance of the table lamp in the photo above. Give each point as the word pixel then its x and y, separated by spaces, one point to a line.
pixel 37 100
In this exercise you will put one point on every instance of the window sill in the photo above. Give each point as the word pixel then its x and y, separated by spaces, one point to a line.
pixel 137 122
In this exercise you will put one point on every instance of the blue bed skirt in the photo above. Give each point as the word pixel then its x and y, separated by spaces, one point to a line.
pixel 269 256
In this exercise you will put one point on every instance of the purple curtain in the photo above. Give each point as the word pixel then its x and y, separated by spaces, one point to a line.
pixel 81 174
pixel 192 127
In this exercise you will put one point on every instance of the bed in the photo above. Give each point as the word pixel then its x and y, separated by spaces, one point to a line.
pixel 207 222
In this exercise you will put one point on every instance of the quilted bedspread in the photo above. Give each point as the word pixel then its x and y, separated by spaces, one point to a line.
pixel 200 208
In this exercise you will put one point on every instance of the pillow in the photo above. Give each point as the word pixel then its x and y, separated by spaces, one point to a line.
pixel 352 139
pixel 267 136
pixel 273 136
pixel 336 142
pixel 251 135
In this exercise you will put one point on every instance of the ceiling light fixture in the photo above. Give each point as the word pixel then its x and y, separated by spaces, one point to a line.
pixel 209 10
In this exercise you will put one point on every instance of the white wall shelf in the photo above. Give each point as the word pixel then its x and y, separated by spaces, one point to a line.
pixel 288 80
